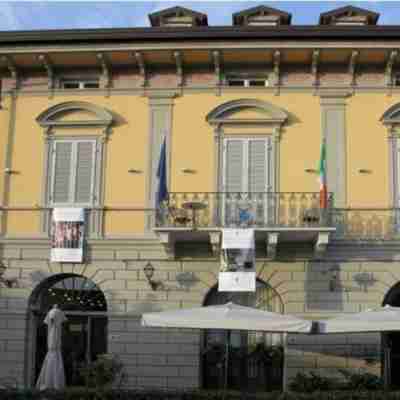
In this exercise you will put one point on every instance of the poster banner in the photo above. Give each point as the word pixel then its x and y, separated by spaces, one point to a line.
pixel 67 232
pixel 237 271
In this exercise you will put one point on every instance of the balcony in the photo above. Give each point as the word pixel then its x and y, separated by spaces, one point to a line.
pixel 283 217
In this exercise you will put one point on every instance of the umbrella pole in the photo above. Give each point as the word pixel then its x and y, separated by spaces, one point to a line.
pixel 228 340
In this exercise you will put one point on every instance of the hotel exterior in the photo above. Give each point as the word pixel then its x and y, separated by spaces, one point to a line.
pixel 243 110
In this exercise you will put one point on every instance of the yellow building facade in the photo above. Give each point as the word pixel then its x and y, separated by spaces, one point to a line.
pixel 243 110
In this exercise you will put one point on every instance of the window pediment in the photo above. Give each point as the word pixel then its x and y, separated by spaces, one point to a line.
pixel 248 111
pixel 75 114
pixel 392 115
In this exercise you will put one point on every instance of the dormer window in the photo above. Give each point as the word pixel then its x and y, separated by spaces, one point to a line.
pixel 261 16
pixel 248 82
pixel 177 17
pixel 349 15
pixel 80 84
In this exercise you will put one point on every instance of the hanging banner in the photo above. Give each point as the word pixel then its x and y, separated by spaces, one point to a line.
pixel 67 231
pixel 237 271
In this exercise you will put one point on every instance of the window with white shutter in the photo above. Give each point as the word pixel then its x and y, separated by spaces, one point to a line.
pixel 247 179
pixel 73 172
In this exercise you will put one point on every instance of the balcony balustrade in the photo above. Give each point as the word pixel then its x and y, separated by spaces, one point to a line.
pixel 298 213
pixel 237 209
pixel 366 224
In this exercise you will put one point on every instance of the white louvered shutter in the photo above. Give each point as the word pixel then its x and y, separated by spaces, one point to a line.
pixel 234 166
pixel 62 174
pixel 258 166
pixel 84 171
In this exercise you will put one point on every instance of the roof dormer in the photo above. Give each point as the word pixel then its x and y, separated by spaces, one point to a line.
pixel 178 17
pixel 349 15
pixel 261 16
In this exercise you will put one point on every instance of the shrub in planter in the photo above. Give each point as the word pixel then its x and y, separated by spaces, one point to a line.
pixel 103 372
pixel 312 382
pixel 361 380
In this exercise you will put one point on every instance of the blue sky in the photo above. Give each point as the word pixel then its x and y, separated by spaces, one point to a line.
pixel 23 15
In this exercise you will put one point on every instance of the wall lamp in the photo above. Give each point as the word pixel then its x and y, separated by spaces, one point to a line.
pixel 148 273
pixel 9 283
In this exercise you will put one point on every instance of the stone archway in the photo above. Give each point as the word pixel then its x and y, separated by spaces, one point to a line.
pixel 85 306
pixel 256 358
pixel 391 342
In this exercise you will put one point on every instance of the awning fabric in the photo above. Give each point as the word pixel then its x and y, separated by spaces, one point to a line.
pixel 376 320
pixel 227 316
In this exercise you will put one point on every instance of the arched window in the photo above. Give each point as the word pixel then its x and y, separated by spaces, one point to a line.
pixel 256 358
pixel 247 136
pixel 75 135
pixel 85 331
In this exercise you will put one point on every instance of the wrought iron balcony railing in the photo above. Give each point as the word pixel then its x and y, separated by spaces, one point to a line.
pixel 366 224
pixel 237 209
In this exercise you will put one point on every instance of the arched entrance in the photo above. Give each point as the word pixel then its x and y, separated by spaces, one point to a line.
pixel 391 343
pixel 84 334
pixel 256 358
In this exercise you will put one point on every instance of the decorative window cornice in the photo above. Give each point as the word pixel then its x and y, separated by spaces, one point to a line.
pixel 392 115
pixel 51 117
pixel 269 114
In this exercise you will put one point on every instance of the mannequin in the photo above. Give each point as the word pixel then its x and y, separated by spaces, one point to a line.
pixel 52 373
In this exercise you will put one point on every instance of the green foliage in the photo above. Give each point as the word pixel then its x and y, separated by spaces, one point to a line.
pixel 312 382
pixel 103 372
pixel 96 394
pixel 361 380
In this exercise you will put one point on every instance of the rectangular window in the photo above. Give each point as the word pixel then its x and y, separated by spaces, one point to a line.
pixel 396 80
pixel 80 84
pixel 251 82
pixel 236 82
pixel 73 167
pixel 247 179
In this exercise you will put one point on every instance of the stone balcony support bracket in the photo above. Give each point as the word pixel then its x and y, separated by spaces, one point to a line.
pixel 215 241
pixel 272 243
pixel 321 244
pixel 168 241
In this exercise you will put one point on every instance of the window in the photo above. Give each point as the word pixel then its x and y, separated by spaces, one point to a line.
pixel 247 178
pixel 73 172
pixel 80 84
pixel 396 80
pixel 251 82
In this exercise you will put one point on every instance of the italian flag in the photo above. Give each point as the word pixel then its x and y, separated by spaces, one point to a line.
pixel 323 193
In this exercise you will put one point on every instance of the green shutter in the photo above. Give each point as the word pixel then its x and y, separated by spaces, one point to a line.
pixel 234 168
pixel 84 172
pixel 257 170
pixel 62 172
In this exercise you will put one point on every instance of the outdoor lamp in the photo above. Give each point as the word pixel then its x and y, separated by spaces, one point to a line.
pixel 149 272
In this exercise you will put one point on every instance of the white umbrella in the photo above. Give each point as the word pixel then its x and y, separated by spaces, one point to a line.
pixel 380 319
pixel 375 320
pixel 228 316
pixel 52 373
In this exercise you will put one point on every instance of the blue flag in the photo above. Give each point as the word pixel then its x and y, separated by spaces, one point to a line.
pixel 162 191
